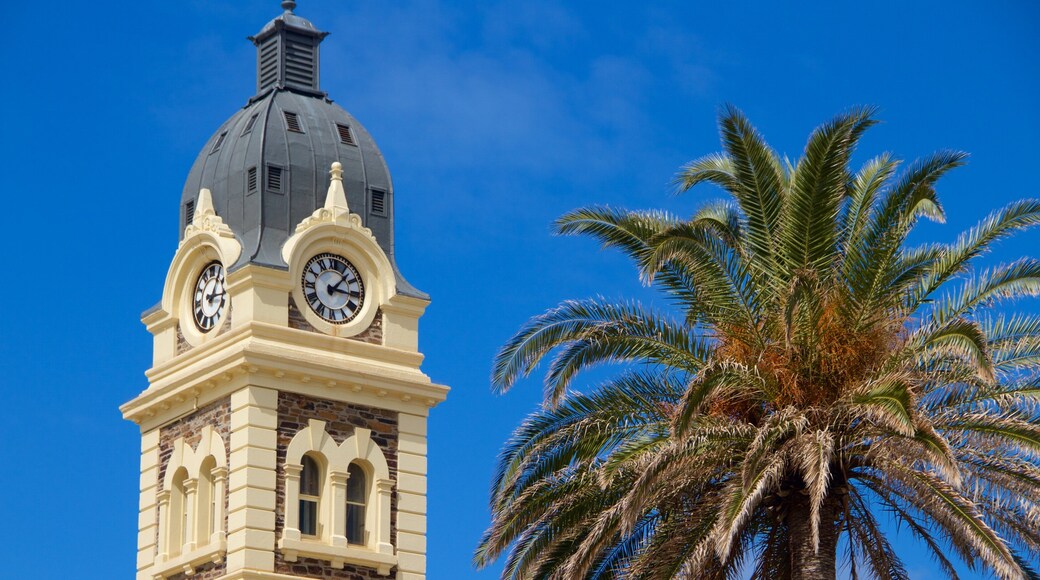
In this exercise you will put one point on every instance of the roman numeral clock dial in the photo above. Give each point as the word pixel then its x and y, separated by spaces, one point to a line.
pixel 210 297
pixel 333 288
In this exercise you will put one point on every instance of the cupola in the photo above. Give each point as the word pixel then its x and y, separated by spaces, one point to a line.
pixel 287 53
pixel 267 167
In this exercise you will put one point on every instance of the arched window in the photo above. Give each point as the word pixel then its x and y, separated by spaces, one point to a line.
pixel 178 512
pixel 337 500
pixel 310 496
pixel 191 505
pixel 357 498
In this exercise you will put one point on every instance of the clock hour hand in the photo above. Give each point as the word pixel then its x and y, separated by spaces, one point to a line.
pixel 336 288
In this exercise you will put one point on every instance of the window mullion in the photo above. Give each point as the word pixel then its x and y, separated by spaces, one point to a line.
pixel 337 508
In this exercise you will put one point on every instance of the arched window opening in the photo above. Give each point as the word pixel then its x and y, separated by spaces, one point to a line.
pixel 357 498
pixel 310 496
pixel 178 512
pixel 207 501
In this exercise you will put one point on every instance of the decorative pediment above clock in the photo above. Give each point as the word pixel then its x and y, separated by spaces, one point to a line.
pixel 334 212
pixel 205 222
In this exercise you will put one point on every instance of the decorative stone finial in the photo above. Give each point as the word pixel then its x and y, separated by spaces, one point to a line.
pixel 288 5
pixel 336 199
pixel 204 205
pixel 205 221
pixel 336 212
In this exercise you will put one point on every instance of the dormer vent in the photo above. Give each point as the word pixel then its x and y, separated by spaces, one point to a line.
pixel 220 141
pixel 345 136
pixel 250 123
pixel 292 122
pixel 378 202
pixel 274 179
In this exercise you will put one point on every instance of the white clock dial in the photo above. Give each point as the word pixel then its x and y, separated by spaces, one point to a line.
pixel 210 297
pixel 333 288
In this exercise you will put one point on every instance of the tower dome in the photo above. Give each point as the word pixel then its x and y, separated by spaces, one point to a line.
pixel 267 167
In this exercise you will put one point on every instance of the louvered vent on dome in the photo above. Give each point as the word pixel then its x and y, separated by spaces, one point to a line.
pixel 249 125
pixel 292 122
pixel 269 61
pixel 220 141
pixel 274 179
pixel 378 202
pixel 345 136
pixel 299 61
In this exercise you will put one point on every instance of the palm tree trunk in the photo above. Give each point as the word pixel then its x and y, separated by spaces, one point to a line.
pixel 807 563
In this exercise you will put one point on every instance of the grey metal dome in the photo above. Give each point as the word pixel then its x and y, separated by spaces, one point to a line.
pixel 267 167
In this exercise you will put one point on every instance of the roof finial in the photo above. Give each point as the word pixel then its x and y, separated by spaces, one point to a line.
pixel 288 5
pixel 336 198
pixel 204 206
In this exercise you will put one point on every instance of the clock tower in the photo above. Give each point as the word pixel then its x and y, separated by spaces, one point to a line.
pixel 283 430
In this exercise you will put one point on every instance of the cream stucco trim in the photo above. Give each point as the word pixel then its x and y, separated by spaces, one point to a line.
pixel 287 359
pixel 251 483
pixel 331 543
pixel 147 519
pixel 187 562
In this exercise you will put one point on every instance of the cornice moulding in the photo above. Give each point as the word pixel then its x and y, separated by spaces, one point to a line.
pixel 258 354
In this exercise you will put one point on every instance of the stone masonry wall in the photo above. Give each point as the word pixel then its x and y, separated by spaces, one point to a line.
pixel 372 335
pixel 217 414
pixel 341 419
pixel 182 343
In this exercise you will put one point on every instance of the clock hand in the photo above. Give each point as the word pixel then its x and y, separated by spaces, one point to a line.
pixel 336 289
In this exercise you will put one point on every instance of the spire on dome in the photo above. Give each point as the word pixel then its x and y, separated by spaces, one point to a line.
pixel 287 53
pixel 204 206
pixel 336 198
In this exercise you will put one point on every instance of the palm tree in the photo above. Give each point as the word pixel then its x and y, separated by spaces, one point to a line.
pixel 815 374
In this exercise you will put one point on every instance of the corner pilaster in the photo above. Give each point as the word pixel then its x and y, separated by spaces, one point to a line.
pixel 147 518
pixel 251 481
pixel 411 498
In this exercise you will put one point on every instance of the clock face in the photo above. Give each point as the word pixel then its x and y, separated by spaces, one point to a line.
pixel 210 298
pixel 333 288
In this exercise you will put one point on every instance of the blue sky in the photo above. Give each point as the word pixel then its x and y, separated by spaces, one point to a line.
pixel 495 117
